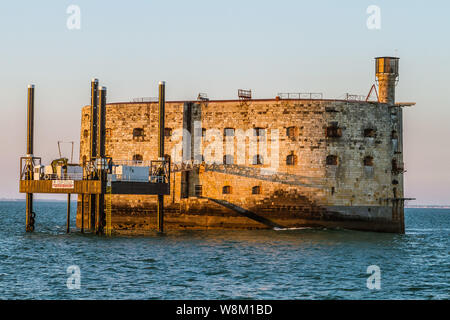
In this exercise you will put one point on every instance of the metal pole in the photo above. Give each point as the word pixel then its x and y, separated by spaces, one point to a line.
pixel 30 141
pixel 93 148
pixel 101 123
pixel 101 159
pixel 68 213
pixel 94 115
pixel 161 125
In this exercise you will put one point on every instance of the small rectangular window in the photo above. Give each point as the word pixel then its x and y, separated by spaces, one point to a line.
pixel 226 190
pixel 332 160
pixel 259 132
pixel 256 190
pixel 228 159
pixel 369 133
pixel 138 134
pixel 334 132
pixel 291 132
pixel 228 132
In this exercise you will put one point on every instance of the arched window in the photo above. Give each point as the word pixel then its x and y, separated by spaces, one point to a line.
pixel 256 190
pixel 368 161
pixel 332 160
pixel 226 190
pixel 86 133
pixel 291 160
pixel 138 158
pixel 257 159
pixel 228 132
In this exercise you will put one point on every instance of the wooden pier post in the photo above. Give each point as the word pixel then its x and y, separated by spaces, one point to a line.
pixel 82 213
pixel 30 216
pixel 68 213
pixel 161 125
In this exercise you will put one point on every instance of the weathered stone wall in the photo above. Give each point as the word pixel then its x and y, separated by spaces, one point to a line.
pixel 327 189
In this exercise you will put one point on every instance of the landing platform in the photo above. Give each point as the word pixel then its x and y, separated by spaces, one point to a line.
pixel 92 187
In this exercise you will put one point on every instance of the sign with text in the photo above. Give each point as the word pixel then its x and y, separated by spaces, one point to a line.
pixel 62 184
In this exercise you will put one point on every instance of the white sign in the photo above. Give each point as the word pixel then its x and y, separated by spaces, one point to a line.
pixel 62 184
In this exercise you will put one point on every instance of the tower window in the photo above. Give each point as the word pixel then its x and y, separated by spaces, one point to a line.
pixel 291 160
pixel 85 133
pixel 256 190
pixel 257 159
pixel 368 161
pixel 369 133
pixel 332 160
pixel 226 190
pixel 334 131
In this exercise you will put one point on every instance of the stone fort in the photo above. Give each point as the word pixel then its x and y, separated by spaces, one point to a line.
pixel 287 162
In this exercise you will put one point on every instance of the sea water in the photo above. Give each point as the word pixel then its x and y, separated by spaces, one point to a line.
pixel 218 264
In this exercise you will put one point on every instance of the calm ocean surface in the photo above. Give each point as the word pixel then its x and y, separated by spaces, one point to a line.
pixel 294 264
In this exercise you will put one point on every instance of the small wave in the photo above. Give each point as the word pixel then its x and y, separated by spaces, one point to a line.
pixel 289 229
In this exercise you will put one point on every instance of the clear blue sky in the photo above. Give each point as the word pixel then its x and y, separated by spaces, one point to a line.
pixel 218 47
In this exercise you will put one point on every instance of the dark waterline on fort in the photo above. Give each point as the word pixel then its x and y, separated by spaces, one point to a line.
pixel 290 264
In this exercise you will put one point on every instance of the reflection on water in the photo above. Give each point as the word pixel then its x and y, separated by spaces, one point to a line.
pixel 263 264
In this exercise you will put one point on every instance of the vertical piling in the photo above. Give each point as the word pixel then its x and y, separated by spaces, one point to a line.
pixel 82 213
pixel 30 141
pixel 68 213
pixel 101 165
pixel 161 125
pixel 93 149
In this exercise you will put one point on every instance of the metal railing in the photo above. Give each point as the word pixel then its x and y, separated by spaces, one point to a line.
pixel 245 94
pixel 64 176
pixel 301 95
pixel 354 97
pixel 27 165
pixel 146 99
pixel 133 163
pixel 158 170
